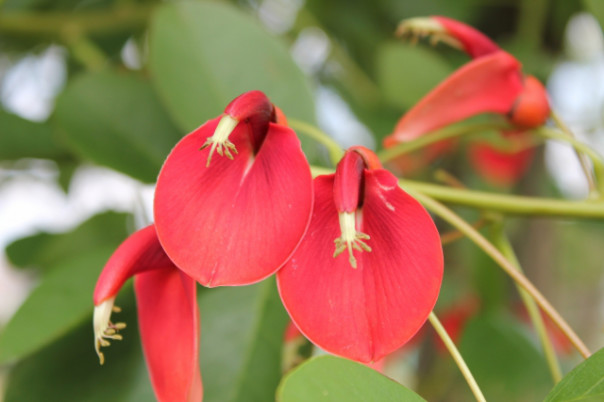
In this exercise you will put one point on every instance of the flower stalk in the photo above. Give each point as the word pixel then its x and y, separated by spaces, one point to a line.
pixel 503 244
pixel 463 367
pixel 509 268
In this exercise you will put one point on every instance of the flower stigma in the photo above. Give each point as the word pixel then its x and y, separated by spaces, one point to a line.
pixel 103 328
pixel 220 139
pixel 350 238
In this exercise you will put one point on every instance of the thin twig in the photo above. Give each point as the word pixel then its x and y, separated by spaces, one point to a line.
pixel 503 244
pixel 463 367
pixel 453 219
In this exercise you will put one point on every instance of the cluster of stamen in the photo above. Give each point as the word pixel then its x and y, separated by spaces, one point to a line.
pixel 104 329
pixel 350 238
pixel 219 141
pixel 416 28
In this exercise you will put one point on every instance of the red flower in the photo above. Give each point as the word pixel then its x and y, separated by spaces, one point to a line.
pixel 502 167
pixel 167 313
pixel 491 83
pixel 236 219
pixel 375 291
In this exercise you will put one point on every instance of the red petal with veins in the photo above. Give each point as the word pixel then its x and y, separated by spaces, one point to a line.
pixel 475 43
pixel 169 328
pixel 236 221
pixel 488 84
pixel 500 167
pixel 139 252
pixel 368 312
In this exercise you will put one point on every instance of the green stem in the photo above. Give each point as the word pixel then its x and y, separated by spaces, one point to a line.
pixel 436 136
pixel 86 52
pixel 457 222
pixel 127 16
pixel 510 204
pixel 463 367
pixel 501 241
pixel 582 151
pixel 335 151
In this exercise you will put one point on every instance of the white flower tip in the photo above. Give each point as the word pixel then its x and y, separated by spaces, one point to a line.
pixel 220 139
pixel 104 329
pixel 350 238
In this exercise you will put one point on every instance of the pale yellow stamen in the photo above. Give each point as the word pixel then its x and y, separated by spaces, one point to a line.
pixel 220 139
pixel 350 238
pixel 421 27
pixel 103 328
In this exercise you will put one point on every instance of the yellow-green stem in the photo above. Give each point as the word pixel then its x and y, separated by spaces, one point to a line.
pixel 463 367
pixel 335 151
pixel 124 17
pixel 509 204
pixel 502 242
pixel 435 136
pixel 453 219
pixel 86 52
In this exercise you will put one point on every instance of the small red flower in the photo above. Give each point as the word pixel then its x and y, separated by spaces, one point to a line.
pixel 234 197
pixel 491 83
pixel 502 167
pixel 167 313
pixel 367 273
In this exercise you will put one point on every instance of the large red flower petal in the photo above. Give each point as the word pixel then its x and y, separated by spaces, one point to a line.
pixel 368 312
pixel 169 328
pixel 236 221
pixel 488 84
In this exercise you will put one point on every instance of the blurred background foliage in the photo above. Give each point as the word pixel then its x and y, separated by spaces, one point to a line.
pixel 116 83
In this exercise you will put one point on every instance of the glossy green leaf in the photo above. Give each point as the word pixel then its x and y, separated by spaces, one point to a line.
pixel 22 138
pixel 584 383
pixel 204 54
pixel 406 72
pixel 242 336
pixel 44 250
pixel 330 378
pixel 61 301
pixel 69 370
pixel 505 363
pixel 116 120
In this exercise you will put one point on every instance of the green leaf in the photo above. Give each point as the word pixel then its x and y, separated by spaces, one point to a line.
pixel 406 73
pixel 69 370
pixel 116 120
pixel 241 344
pixel 45 249
pixel 329 378
pixel 61 301
pixel 596 7
pixel 505 363
pixel 22 138
pixel 204 54
pixel 584 383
